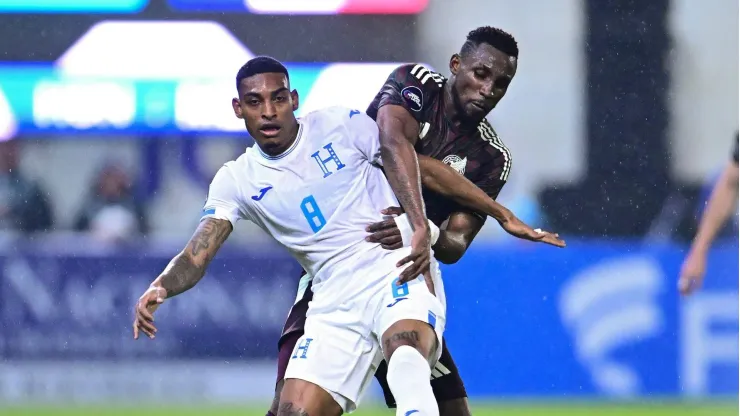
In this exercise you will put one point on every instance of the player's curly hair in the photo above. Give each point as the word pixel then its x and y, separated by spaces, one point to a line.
pixel 260 65
pixel 493 36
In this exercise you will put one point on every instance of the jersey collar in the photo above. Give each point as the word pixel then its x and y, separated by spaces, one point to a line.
pixel 289 150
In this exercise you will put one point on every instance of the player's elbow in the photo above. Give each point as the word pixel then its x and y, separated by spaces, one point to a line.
pixel 449 256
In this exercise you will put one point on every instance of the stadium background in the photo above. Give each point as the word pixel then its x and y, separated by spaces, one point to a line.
pixel 619 119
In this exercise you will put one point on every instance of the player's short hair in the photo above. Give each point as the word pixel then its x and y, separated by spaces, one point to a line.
pixel 260 65
pixel 493 36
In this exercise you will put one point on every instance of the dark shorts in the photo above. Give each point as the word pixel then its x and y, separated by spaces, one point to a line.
pixel 446 381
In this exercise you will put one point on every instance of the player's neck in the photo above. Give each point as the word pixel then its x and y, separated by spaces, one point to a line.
pixel 454 116
pixel 278 150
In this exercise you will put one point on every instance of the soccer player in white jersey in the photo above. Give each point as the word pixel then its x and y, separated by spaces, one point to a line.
pixel 313 184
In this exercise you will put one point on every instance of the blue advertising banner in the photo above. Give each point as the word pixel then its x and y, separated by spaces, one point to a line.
pixel 597 318
pixel 594 319
pixel 75 307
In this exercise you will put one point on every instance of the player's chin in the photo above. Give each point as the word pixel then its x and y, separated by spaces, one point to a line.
pixel 475 111
pixel 270 142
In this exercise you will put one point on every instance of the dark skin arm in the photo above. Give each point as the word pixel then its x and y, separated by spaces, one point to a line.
pixel 402 170
pixel 444 180
pixel 182 273
pixel 395 121
pixel 453 241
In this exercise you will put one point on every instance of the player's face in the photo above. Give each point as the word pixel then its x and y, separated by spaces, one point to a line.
pixel 266 104
pixel 481 80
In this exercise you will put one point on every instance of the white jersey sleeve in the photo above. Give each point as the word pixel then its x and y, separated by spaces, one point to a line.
pixel 223 201
pixel 364 133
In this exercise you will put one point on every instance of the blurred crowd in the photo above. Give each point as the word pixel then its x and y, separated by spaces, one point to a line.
pixel 111 211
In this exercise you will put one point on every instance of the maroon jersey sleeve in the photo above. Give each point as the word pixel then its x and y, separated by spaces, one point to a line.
pixel 412 86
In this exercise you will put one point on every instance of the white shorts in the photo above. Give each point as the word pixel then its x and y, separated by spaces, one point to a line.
pixel 340 349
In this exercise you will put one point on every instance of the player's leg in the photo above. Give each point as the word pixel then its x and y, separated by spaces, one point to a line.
pixel 411 321
pixel 292 331
pixel 285 350
pixel 331 365
pixel 409 346
pixel 303 398
pixel 447 385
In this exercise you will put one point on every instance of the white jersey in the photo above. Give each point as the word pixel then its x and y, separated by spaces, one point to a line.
pixel 317 197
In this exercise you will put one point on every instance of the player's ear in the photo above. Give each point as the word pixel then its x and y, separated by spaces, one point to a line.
pixel 294 98
pixel 237 108
pixel 454 64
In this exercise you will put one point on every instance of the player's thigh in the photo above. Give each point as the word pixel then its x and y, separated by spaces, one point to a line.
pixel 300 397
pixel 336 357
pixel 410 315
pixel 285 351
pixel 413 333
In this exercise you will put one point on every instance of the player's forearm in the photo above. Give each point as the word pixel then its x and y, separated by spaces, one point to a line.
pixel 718 210
pixel 402 170
pixel 180 275
pixel 189 266
pixel 450 247
pixel 442 179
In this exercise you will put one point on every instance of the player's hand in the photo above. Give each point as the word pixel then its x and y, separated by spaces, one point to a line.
pixel 519 229
pixel 386 232
pixel 420 259
pixel 144 311
pixel 692 273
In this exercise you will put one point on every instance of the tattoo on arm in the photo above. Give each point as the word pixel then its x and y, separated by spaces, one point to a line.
pixel 288 409
pixel 189 266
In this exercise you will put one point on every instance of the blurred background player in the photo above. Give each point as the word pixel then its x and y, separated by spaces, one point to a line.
pixel 366 297
pixel 720 206
pixel 445 120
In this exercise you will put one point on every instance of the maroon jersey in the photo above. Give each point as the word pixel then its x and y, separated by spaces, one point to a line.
pixel 478 153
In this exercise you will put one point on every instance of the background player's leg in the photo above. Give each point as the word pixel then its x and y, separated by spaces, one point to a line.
pixel 302 398
pixel 448 386
pixel 409 346
pixel 285 349
pixel 454 407
pixel 381 374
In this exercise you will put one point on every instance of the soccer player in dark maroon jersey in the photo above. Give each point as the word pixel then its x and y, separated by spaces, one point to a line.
pixel 445 120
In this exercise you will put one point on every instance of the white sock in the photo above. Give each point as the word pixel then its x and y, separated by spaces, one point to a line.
pixel 409 379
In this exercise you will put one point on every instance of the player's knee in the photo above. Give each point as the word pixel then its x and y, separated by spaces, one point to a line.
pixel 416 334
pixel 276 398
pixel 300 398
